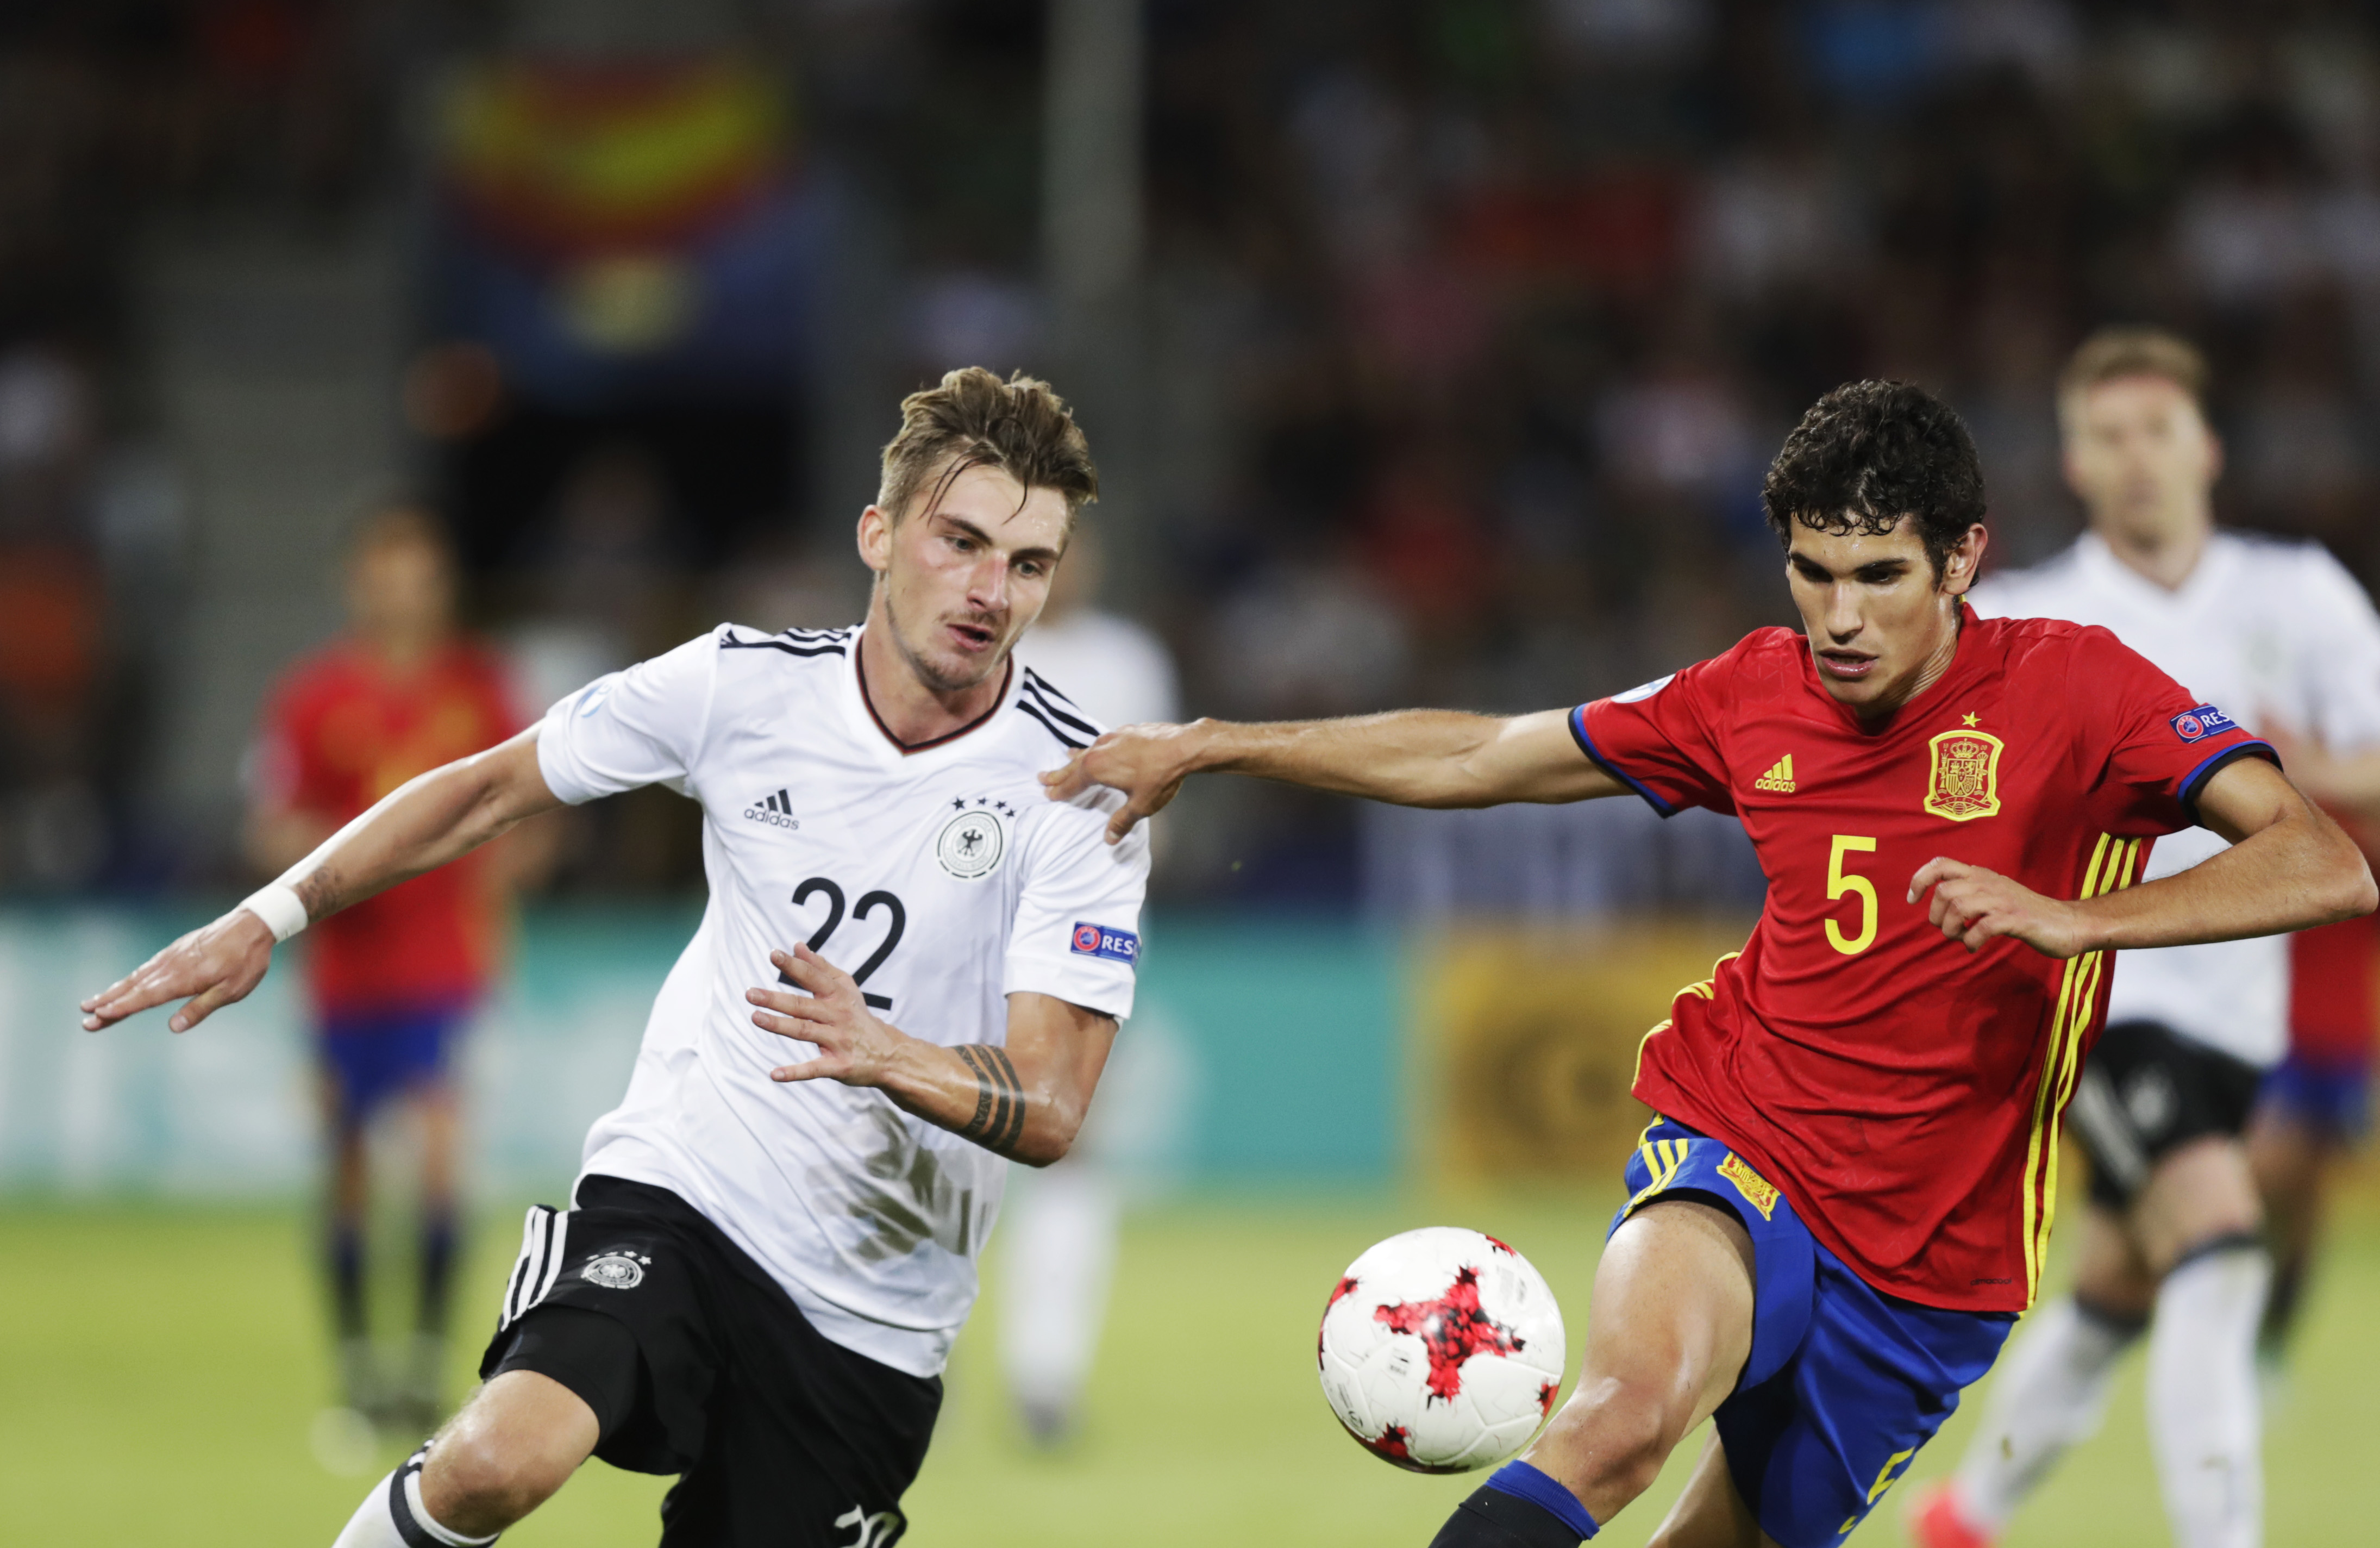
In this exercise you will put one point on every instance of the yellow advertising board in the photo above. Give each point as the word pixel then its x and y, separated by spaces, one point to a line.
pixel 1527 1037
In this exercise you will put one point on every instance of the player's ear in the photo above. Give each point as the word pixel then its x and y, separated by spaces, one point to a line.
pixel 875 539
pixel 1961 565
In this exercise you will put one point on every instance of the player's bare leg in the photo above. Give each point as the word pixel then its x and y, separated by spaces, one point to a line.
pixel 2052 1388
pixel 513 1444
pixel 2186 1253
pixel 1668 1332
pixel 1710 1513
pixel 347 1211
pixel 2290 1161
pixel 437 1116
pixel 2199 1228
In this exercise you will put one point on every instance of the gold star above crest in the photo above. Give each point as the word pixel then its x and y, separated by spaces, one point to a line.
pixel 1966 720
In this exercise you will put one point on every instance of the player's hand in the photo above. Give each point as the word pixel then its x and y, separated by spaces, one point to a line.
pixel 213 966
pixel 853 1045
pixel 1147 763
pixel 1973 906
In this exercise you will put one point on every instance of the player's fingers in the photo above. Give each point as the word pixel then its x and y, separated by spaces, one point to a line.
pixel 1065 784
pixel 824 1067
pixel 805 1008
pixel 135 991
pixel 793 1026
pixel 810 970
pixel 149 986
pixel 1984 930
pixel 1139 810
pixel 199 1007
pixel 1934 872
pixel 113 993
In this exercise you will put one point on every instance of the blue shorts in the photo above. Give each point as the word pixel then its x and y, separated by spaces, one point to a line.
pixel 2334 1096
pixel 1844 1384
pixel 372 1056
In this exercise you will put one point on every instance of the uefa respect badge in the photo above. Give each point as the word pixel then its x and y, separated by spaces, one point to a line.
pixel 1098 940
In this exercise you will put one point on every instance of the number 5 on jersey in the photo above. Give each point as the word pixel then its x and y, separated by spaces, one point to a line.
pixel 1839 884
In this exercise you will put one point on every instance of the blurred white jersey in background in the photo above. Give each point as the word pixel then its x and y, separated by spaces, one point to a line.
pixel 2278 636
pixel 1059 1236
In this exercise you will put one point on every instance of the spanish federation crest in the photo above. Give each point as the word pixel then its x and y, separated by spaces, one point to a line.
pixel 1965 781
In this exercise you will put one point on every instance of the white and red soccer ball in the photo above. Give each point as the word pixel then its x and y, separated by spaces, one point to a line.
pixel 1441 1350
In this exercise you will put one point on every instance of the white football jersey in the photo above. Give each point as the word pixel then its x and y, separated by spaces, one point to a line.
pixel 941 878
pixel 2275 635
pixel 1113 667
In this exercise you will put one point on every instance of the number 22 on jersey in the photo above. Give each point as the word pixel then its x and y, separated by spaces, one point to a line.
pixel 867 905
pixel 1841 883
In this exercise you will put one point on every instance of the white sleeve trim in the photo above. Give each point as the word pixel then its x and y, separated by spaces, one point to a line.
pixel 1108 993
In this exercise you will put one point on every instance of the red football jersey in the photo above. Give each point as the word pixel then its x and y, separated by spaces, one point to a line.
pixel 2334 983
pixel 1905 1095
pixel 339 733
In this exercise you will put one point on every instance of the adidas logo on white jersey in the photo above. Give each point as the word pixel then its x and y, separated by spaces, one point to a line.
pixel 775 808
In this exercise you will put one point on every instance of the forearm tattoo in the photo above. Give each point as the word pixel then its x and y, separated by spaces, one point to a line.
pixel 999 1120
pixel 315 891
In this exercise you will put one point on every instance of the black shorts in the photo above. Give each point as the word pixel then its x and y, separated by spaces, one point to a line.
pixel 697 1362
pixel 2146 1090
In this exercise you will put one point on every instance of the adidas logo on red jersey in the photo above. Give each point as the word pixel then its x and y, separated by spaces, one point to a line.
pixel 1780 778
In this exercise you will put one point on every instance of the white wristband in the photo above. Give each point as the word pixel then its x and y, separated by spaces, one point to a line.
pixel 280 907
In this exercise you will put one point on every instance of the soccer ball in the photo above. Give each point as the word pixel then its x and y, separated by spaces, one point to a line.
pixel 1441 1350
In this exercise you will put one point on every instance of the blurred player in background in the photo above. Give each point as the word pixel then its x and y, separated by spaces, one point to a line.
pixel 2316 1105
pixel 1058 1243
pixel 393 980
pixel 2172 1239
pixel 1846 1196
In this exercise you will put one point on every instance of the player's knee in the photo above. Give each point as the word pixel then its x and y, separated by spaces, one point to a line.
pixel 1617 1436
pixel 478 1479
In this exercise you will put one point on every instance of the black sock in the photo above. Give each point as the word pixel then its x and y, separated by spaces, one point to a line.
pixel 344 1253
pixel 2281 1303
pixel 439 1243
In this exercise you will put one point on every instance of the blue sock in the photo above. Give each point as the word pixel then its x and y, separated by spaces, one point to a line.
pixel 1518 1507
pixel 1525 1483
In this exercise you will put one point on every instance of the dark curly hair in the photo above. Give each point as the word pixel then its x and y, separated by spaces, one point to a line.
pixel 1870 453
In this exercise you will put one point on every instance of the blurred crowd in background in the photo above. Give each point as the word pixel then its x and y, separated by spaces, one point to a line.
pixel 1466 327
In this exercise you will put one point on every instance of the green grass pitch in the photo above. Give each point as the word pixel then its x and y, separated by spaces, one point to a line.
pixel 161 1366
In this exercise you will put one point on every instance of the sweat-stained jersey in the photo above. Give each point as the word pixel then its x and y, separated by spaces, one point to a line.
pixel 1903 1093
pixel 944 879
pixel 339 732
pixel 2282 637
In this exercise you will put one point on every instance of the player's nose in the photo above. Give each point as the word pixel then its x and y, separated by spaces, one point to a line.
pixel 987 587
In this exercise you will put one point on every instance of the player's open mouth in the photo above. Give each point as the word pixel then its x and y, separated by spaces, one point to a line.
pixel 972 637
pixel 1844 664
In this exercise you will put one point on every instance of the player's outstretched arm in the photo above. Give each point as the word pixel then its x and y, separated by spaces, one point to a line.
pixel 2289 867
pixel 1437 757
pixel 1025 1101
pixel 418 826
